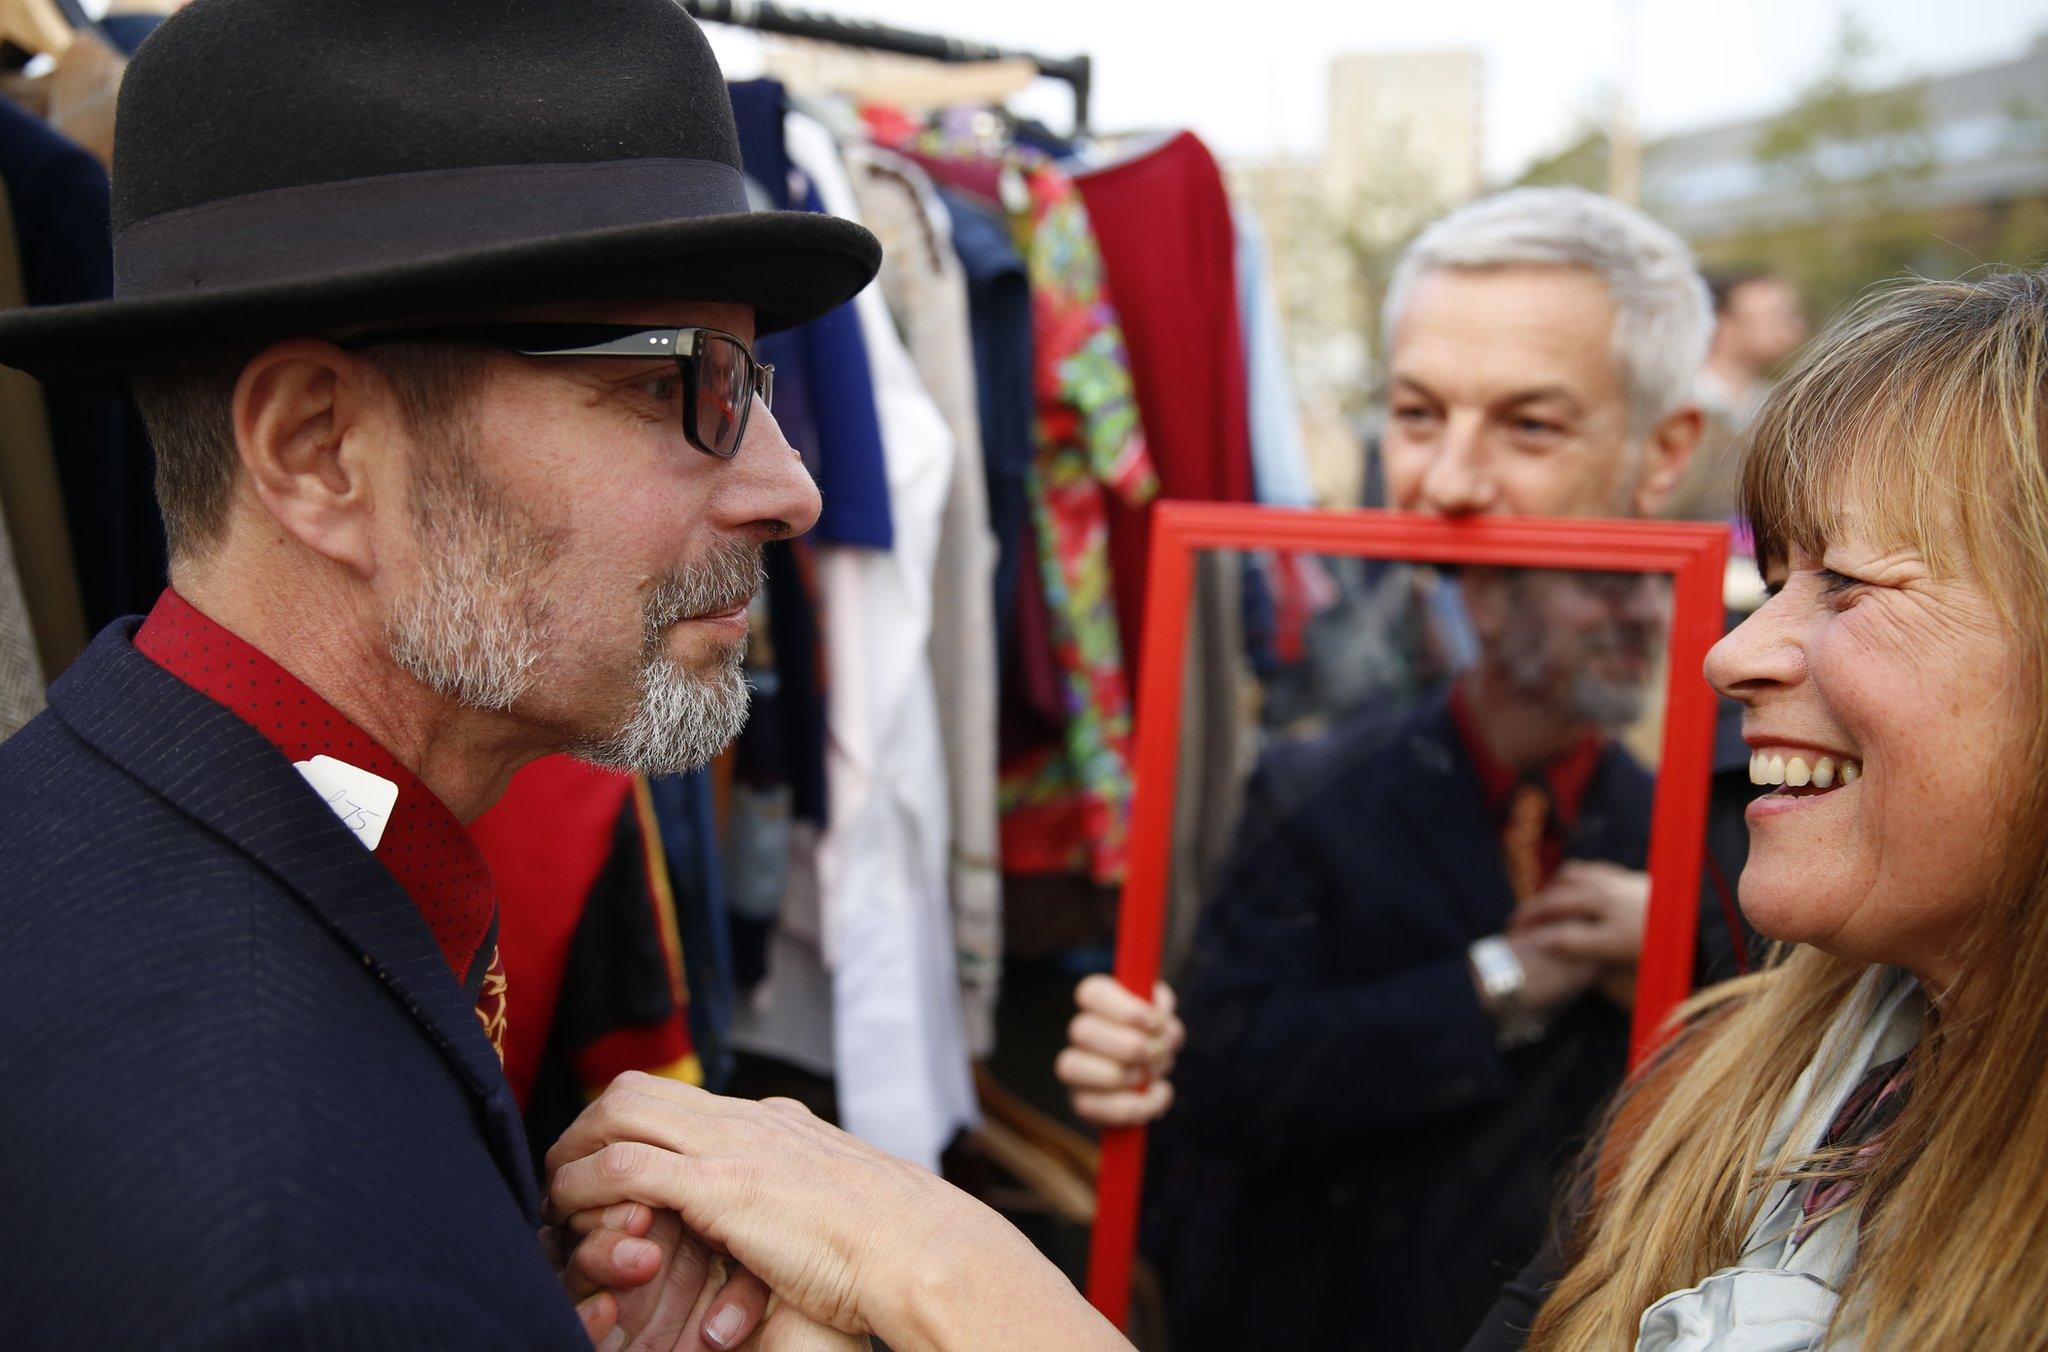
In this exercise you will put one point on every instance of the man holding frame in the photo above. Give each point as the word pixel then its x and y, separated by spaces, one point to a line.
pixel 1542 347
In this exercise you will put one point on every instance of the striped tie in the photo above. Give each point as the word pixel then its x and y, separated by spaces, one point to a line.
pixel 1521 840
pixel 490 1003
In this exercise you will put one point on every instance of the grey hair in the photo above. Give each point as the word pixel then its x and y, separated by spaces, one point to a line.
pixel 1663 316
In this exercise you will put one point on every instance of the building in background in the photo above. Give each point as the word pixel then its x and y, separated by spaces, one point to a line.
pixel 1323 311
pixel 1856 179
pixel 1404 137
pixel 1957 140
pixel 1403 146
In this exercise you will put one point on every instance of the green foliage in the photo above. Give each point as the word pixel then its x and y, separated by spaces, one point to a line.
pixel 1842 133
pixel 1860 154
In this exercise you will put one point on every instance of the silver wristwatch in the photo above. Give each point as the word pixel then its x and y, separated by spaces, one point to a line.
pixel 1502 983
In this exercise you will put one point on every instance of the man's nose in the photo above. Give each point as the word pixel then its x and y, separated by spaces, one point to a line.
pixel 769 489
pixel 1459 482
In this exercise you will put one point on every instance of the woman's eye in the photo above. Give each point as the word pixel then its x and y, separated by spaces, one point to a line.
pixel 1834 584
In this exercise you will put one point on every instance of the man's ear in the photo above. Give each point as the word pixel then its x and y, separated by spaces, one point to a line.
pixel 306 431
pixel 1666 453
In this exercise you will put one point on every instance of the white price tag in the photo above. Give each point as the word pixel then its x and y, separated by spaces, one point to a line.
pixel 362 800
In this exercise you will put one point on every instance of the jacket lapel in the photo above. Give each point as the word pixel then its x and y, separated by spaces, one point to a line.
pixel 222 773
pixel 1614 819
pixel 1440 804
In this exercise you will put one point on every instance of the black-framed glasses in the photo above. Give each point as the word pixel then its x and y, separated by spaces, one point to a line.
pixel 721 379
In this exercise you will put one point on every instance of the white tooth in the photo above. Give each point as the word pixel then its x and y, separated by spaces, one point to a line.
pixel 1850 771
pixel 1774 773
pixel 1756 767
pixel 1796 773
pixel 1824 773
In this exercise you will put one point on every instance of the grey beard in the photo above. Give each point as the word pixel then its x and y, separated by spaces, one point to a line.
pixel 683 719
pixel 475 628
pixel 1610 706
pixel 478 624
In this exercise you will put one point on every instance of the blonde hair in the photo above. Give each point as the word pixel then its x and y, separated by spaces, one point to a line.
pixel 1922 412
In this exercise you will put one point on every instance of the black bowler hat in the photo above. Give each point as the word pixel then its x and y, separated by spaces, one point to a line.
pixel 296 166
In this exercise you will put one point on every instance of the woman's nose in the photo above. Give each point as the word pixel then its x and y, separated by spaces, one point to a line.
pixel 1759 654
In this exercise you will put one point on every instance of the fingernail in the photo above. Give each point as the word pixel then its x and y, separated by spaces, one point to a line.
pixel 637 1251
pixel 615 1341
pixel 722 1328
pixel 615 1217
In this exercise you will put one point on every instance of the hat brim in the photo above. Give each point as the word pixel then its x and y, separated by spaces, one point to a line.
pixel 790 266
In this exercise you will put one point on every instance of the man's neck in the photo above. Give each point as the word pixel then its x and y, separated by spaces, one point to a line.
pixel 325 637
pixel 1523 732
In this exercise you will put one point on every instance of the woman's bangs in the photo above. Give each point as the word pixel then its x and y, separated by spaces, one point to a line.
pixel 1828 456
pixel 1879 436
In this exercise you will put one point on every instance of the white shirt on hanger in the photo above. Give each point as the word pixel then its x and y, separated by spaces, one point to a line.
pixel 899 1050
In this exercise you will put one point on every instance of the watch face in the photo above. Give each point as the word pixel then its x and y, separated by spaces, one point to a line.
pixel 1500 971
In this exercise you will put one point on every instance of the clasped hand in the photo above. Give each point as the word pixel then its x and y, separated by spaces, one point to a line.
pixel 1587 924
pixel 668 1145
pixel 851 1240
pixel 645 1282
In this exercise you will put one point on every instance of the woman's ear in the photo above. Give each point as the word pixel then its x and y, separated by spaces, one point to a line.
pixel 1667 451
pixel 310 438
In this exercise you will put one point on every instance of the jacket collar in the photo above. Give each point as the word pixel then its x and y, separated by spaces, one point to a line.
pixel 1441 801
pixel 220 772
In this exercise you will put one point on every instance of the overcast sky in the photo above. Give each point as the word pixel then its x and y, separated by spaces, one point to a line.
pixel 1249 77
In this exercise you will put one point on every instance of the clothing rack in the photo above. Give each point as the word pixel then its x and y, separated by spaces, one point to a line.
pixel 767 17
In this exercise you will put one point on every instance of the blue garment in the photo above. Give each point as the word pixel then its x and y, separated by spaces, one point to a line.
pixel 999 310
pixel 784 741
pixel 843 444
pixel 848 465
pixel 1279 455
pixel 126 31
pixel 239 1072
pixel 1341 1079
pixel 59 197
pixel 689 836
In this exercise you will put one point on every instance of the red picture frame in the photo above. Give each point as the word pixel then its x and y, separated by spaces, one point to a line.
pixel 1695 556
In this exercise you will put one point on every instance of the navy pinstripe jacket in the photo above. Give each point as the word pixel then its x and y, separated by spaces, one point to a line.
pixel 243 1102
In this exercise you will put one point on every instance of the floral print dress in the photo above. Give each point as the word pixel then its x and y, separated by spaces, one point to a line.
pixel 1066 807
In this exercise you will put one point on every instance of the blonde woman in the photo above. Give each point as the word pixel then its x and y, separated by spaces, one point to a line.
pixel 1848 1149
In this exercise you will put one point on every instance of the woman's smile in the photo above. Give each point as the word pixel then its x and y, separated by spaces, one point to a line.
pixel 1797 774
